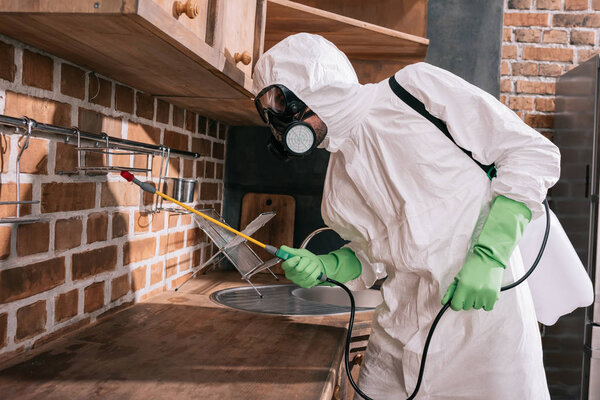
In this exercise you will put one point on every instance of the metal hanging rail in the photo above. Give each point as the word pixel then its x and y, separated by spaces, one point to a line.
pixel 25 122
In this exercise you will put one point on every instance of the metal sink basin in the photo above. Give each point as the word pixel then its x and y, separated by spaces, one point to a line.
pixel 292 300
pixel 338 297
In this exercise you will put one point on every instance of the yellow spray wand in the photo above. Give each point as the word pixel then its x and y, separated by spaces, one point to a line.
pixel 151 189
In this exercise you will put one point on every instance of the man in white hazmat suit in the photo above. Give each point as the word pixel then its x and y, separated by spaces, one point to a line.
pixel 414 207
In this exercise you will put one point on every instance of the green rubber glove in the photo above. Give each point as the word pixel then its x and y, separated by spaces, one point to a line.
pixel 478 283
pixel 305 268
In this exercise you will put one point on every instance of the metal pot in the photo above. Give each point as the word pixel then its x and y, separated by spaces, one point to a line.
pixel 180 189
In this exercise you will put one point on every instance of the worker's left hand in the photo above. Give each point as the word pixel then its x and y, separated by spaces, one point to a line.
pixel 304 269
pixel 477 285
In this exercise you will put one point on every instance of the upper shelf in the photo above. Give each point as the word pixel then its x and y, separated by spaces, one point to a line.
pixel 141 44
pixel 361 41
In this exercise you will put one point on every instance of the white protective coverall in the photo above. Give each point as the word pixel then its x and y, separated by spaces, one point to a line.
pixel 411 203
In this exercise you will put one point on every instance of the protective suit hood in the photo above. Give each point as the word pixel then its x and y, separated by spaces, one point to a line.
pixel 321 76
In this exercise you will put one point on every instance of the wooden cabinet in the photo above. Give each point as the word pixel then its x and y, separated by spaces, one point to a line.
pixel 185 51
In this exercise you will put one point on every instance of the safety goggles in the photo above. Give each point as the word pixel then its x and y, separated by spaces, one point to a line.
pixel 277 101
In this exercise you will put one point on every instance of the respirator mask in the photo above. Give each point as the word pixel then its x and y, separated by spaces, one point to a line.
pixel 285 114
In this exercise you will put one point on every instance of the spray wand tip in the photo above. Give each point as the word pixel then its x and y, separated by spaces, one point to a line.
pixel 127 175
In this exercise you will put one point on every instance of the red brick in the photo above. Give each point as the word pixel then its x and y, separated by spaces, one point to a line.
pixel 33 238
pixel 5 235
pixel 536 87
pixel 67 233
pixel 528 35
pixel 123 99
pixel 219 171
pixel 576 5
pixel 7 62
pixel 145 105
pixel 171 242
pixel 94 122
pixel 525 68
pixel 209 191
pixel 200 169
pixel 222 131
pixel 72 81
pixel 540 120
pixel 525 19
pixel 519 4
pixel 66 158
pixel 218 151
pixel 156 273
pixel 176 140
pixel 42 110
pixel 212 128
pixel 119 194
pixel 201 146
pixel 120 224
pixel 209 172
pixel 186 219
pixel 99 91
pixel 583 37
pixel 35 161
pixel 202 125
pixel 143 133
pixel 141 222
pixel 503 99
pixel 178 116
pixel 31 320
pixel 548 4
pixel 38 70
pixel 190 120
pixel 138 278
pixel 65 305
pixel 195 236
pixel 3 329
pixel 19 283
pixel 162 111
pixel 596 5
pixel 505 68
pixel 547 54
pixel 188 168
pixel 158 222
pixel 93 297
pixel 68 196
pixel 119 287
pixel 184 262
pixel 551 70
pixel 138 250
pixel 576 20
pixel 173 220
pixel 544 104
pixel 555 36
pixel 171 267
pixel 178 281
pixel 509 52
pixel 521 103
pixel 149 198
pixel 93 262
pixel 586 54
pixel 97 227
pixel 174 167
pixel 197 258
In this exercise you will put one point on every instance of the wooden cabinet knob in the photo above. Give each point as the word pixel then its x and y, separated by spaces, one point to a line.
pixel 357 360
pixel 245 58
pixel 190 8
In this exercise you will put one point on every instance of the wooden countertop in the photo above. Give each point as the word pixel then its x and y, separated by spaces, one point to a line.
pixel 182 345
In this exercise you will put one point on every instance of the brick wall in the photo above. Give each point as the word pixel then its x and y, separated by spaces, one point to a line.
pixel 542 39
pixel 94 250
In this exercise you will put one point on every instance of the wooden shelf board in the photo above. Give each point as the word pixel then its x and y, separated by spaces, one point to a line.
pixel 359 40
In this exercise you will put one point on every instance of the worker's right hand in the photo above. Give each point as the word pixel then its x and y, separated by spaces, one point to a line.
pixel 304 269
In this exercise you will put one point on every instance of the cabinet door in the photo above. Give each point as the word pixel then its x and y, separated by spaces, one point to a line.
pixel 235 31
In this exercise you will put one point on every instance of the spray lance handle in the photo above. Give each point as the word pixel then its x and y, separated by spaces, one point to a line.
pixel 284 255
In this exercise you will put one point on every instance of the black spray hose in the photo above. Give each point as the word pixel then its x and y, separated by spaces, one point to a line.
pixel 435 321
